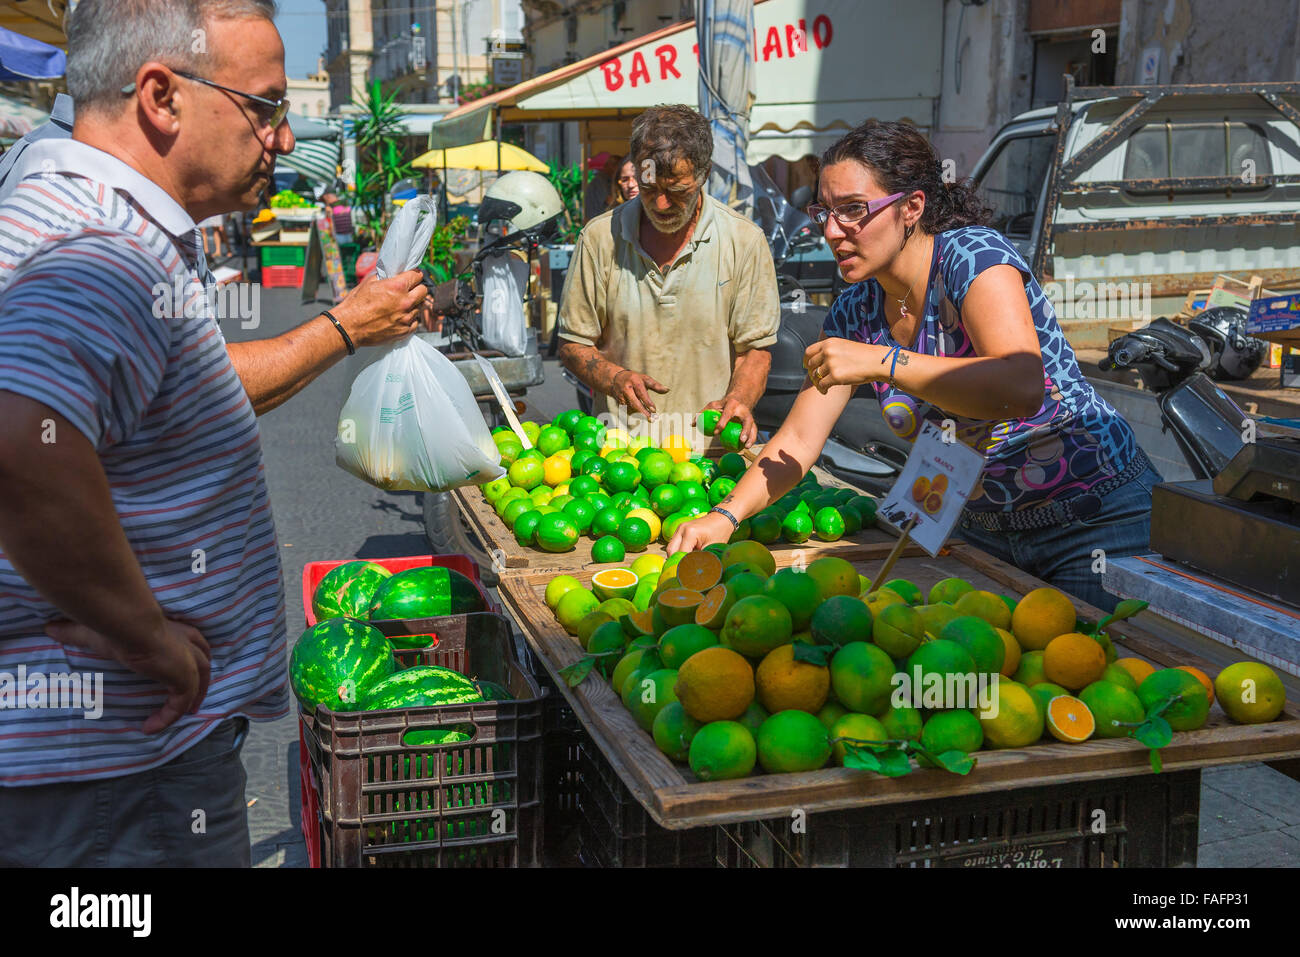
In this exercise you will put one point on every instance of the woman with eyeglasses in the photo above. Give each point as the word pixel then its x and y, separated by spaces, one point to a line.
pixel 946 323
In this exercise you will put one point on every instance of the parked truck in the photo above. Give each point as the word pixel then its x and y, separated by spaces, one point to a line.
pixel 1125 199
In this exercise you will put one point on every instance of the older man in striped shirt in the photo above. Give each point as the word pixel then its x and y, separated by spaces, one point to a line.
pixel 141 602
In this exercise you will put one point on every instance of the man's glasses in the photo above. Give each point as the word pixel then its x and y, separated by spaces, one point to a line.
pixel 279 109
pixel 850 214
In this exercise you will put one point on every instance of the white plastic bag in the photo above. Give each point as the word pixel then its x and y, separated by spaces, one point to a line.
pixel 504 327
pixel 412 423
pixel 407 239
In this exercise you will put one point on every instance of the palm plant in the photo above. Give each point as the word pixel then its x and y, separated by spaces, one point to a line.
pixel 380 160
pixel 568 183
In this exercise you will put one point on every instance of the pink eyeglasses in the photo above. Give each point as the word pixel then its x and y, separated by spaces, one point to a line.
pixel 850 214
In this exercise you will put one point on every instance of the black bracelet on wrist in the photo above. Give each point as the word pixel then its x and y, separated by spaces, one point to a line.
pixel 347 340
pixel 727 515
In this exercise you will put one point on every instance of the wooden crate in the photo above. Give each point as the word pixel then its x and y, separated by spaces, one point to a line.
pixel 676 800
pixel 508 554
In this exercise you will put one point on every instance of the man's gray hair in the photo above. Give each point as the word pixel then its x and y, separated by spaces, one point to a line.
pixel 109 40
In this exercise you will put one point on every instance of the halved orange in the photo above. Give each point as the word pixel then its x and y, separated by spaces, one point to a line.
pixel 678 605
pixel 614 583
pixel 1068 719
pixel 712 612
pixel 699 571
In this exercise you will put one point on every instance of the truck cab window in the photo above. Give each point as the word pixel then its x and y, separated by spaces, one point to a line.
pixel 1013 182
pixel 1168 150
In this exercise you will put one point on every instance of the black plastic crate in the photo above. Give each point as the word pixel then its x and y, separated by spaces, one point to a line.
pixel 616 831
pixel 1144 821
pixel 561 749
pixel 469 804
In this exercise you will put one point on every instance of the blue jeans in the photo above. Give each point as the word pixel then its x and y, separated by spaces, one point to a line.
pixel 1062 555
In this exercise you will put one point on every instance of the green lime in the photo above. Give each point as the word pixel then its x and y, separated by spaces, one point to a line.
pixel 551 439
pixel 581 513
pixel 656 468
pixel 693 490
pixel 556 533
pixel 634 533
pixel 733 464
pixel 580 459
pixel 582 486
pixel 607 522
pixel 722 750
pixel 622 500
pixel 525 527
pixel 666 499
pixel 687 472
pixel 607 548
pixel 829 524
pixel 622 477
pixel 586 442
pixel 730 437
pixel 526 474
pixel 516 508
pixel 765 527
pixel 589 423
pixel 599 501
pixel 797 527
pixel 720 489
pixel 708 421
pixel 595 468
pixel 567 420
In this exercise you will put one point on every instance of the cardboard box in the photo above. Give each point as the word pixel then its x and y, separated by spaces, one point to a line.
pixel 1276 319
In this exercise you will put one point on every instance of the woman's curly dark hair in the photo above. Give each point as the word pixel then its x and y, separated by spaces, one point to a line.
pixel 902 160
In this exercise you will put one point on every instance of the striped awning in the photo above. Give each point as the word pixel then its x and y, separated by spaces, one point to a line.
pixel 316 153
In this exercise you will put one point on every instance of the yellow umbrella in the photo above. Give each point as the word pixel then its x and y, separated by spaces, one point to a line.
pixel 481 156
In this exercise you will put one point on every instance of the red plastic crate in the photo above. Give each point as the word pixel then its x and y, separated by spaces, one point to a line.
pixel 282 277
pixel 313 572
pixel 309 812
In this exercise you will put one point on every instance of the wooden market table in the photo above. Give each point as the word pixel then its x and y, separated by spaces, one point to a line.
pixel 1045 790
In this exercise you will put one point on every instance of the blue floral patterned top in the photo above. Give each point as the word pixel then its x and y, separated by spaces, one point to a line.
pixel 1075 439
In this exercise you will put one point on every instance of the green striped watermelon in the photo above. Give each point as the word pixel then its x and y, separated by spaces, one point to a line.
pixel 347 591
pixel 335 662
pixel 425 593
pixel 420 687
pixel 491 691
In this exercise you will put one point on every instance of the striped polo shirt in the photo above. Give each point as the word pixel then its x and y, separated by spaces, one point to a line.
pixel 92 258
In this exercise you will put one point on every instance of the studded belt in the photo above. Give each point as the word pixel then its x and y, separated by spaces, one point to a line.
pixel 1084 505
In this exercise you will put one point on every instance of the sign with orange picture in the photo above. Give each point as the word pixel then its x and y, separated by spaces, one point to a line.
pixel 934 486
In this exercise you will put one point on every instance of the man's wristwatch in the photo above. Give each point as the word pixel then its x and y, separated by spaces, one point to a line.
pixel 727 515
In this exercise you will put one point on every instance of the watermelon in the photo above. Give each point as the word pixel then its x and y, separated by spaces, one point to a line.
pixel 425 593
pixel 335 662
pixel 420 687
pixel 435 736
pixel 347 591
pixel 491 691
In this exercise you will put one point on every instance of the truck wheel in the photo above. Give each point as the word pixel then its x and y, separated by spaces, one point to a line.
pixel 448 534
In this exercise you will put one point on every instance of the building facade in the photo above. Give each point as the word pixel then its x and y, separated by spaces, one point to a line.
pixel 349 48
pixel 310 95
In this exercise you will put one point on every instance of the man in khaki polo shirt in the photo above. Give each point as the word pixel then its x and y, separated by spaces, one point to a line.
pixel 671 303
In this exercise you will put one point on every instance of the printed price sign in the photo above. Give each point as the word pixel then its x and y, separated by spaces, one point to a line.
pixel 934 486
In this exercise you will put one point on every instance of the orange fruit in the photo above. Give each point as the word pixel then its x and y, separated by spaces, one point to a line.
pixel 1250 692
pixel 1068 719
pixel 1017 722
pixel 986 605
pixel 678 605
pixel 920 489
pixel 1012 660
pixel 1073 661
pixel 783 683
pixel 1030 671
pixel 1136 667
pixel 699 571
pixel 1202 677
pixel 677 446
pixel 1040 616
pixel 715 684
pixel 1113 708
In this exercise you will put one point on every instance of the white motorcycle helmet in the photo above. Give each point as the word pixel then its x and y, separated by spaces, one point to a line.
pixel 525 202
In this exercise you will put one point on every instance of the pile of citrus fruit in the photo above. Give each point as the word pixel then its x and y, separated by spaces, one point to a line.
pixel 702 647
pixel 582 478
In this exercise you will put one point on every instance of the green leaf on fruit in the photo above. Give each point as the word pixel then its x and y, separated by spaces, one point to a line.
pixel 1156 764
pixel 1125 609
pixel 860 758
pixel 958 762
pixel 577 672
pixel 1154 732
pixel 894 763
pixel 819 655
pixel 1085 627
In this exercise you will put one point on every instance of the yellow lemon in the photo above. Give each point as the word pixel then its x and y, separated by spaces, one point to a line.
pixel 678 447
pixel 556 470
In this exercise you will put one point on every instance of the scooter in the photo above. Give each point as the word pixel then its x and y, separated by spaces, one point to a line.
pixel 1172 361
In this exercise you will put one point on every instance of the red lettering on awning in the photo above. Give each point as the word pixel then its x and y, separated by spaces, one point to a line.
pixel 822 31
pixel 639 72
pixel 796 37
pixel 667 55
pixel 613 75
pixel 772 45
